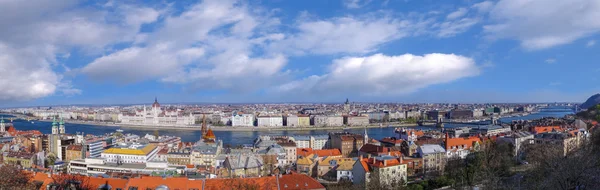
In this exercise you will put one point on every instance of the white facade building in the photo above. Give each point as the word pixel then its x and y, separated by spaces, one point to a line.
pixel 157 116
pixel 243 120
pixel 270 121
pixel 130 153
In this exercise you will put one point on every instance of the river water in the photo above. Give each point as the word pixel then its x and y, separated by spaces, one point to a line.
pixel 240 137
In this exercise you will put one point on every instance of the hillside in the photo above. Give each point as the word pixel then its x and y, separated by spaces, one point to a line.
pixel 593 113
pixel 592 101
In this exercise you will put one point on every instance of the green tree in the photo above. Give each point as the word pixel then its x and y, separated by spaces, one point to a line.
pixel 156 133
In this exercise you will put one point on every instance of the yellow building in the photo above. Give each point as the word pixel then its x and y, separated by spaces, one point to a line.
pixel 303 120
pixel 306 165
pixel 130 153
pixel 24 159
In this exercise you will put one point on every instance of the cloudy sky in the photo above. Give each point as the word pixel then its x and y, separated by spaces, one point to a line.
pixel 103 52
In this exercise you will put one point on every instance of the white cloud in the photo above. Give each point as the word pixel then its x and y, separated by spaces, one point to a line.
pixel 483 7
pixel 457 14
pixel 452 28
pixel 36 37
pixel 590 43
pixel 355 4
pixel 544 24
pixel 344 35
pixel 550 61
pixel 382 75
pixel 210 45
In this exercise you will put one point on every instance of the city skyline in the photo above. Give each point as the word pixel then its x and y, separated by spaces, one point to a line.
pixel 109 52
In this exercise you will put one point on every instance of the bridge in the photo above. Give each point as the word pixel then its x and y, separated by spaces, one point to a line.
pixel 17 116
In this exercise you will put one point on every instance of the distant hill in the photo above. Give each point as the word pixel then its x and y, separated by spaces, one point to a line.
pixel 592 101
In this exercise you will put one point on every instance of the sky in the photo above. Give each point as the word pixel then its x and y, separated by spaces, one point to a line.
pixel 268 51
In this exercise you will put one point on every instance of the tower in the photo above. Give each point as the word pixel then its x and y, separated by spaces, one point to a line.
pixel 2 126
pixel 83 147
pixel 54 127
pixel 61 126
pixel 203 129
pixel 346 106
pixel 366 137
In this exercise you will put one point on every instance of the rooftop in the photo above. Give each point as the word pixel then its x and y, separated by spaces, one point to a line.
pixel 131 149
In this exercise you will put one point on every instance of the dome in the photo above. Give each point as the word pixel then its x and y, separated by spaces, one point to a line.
pixel 155 104
pixel 210 134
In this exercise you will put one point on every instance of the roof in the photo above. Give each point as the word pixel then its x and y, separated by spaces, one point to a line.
pixel 327 152
pixel 391 140
pixel 145 150
pixel 467 142
pixel 114 183
pixel 432 149
pixel 298 181
pixel 210 134
pixel 237 161
pixel 304 151
pixel 305 160
pixel 346 165
pixel 74 147
pixel 146 182
pixel 545 129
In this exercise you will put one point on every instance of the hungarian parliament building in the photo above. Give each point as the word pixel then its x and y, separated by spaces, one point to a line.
pixel 156 116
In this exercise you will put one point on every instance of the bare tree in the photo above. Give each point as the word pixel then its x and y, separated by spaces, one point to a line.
pixel 13 178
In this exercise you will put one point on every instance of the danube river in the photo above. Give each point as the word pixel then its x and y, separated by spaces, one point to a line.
pixel 245 137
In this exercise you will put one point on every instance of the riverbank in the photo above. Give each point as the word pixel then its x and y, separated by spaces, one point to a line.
pixel 247 129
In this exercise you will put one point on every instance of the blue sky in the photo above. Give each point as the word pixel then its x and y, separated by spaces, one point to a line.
pixel 228 51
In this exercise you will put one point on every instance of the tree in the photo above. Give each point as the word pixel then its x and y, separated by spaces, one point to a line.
pixel 50 160
pixel 156 133
pixel 13 178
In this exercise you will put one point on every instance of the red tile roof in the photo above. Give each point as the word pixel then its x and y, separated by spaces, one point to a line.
pixel 459 142
pixel 545 129
pixel 327 152
pixel 304 151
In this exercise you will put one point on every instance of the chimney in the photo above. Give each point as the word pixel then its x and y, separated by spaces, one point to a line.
pixel 384 162
pixel 360 158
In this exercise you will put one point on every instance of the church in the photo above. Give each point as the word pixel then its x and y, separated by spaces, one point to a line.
pixel 157 116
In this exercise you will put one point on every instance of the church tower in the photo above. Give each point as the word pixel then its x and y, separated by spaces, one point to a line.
pixel 54 127
pixel 61 126
pixel 347 106
pixel 2 126
pixel 203 129
pixel 366 137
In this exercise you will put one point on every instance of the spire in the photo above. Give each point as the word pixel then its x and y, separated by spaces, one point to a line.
pixel 366 137
pixel 61 121
pixel 2 120
pixel 54 121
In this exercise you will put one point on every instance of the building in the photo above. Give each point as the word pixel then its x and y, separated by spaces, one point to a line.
pixel 347 143
pixel 23 159
pixel 322 120
pixel 327 168
pixel 95 147
pixel 489 130
pixel 98 166
pixel 387 170
pixel 357 120
pixel 344 170
pixel 307 165
pixel 300 120
pixel 244 165
pixel 74 152
pixel 458 131
pixel 518 139
pixel 434 158
pixel 205 154
pixel 563 142
pixel 461 147
pixel 242 120
pixel 156 116
pixel 461 114
pixel 371 150
pixel 302 141
pixel 130 153
pixel 290 151
pixel 315 142
pixel 270 121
